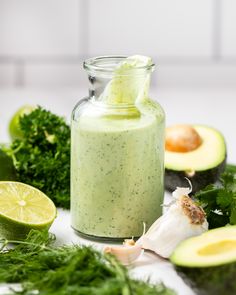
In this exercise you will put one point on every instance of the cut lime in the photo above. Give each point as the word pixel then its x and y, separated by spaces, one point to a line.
pixel 22 208
pixel 14 125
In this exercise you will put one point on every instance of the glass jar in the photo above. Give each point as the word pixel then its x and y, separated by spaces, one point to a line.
pixel 117 152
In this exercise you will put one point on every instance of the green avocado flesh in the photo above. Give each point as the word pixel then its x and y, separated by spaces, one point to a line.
pixel 208 262
pixel 201 166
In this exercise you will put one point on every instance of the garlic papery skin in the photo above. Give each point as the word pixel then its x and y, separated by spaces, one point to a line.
pixel 127 254
pixel 183 219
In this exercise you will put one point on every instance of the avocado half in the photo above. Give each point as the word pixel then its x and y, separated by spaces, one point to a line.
pixel 208 262
pixel 202 165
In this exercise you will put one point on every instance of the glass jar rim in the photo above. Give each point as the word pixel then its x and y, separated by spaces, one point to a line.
pixel 108 63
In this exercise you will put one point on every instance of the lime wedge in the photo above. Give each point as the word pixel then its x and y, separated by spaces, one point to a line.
pixel 130 82
pixel 22 208
pixel 14 126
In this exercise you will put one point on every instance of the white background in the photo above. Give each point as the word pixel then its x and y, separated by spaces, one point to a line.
pixel 43 42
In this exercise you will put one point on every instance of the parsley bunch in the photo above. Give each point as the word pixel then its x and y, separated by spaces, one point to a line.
pixel 42 156
pixel 77 270
pixel 219 200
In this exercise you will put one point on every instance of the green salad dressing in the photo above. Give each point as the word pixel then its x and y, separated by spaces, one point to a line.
pixel 117 164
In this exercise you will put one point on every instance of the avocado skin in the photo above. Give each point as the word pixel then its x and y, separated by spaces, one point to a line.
pixel 199 180
pixel 7 168
pixel 217 280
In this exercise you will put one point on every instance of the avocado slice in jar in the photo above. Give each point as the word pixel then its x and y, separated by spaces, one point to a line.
pixel 195 152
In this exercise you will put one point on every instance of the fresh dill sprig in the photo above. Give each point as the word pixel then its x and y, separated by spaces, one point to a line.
pixel 74 270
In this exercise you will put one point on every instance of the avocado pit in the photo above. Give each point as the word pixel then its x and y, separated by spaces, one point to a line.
pixel 182 139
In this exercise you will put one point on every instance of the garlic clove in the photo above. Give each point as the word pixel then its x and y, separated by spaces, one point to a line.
pixel 181 191
pixel 183 219
pixel 127 254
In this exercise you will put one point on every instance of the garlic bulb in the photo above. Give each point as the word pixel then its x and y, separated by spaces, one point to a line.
pixel 183 219
pixel 127 253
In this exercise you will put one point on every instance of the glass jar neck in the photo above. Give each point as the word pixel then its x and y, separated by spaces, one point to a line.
pixel 112 81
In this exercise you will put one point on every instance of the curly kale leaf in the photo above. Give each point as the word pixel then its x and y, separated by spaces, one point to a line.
pixel 42 157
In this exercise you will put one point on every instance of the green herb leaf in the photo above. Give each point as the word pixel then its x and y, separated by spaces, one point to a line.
pixel 38 265
pixel 219 200
pixel 233 211
pixel 230 168
pixel 42 156
pixel 229 181
pixel 224 199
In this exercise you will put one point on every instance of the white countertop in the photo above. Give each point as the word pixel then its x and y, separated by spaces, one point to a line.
pixel 148 267
pixel 210 107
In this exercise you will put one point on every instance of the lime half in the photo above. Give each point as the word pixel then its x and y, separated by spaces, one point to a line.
pixel 14 125
pixel 22 208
